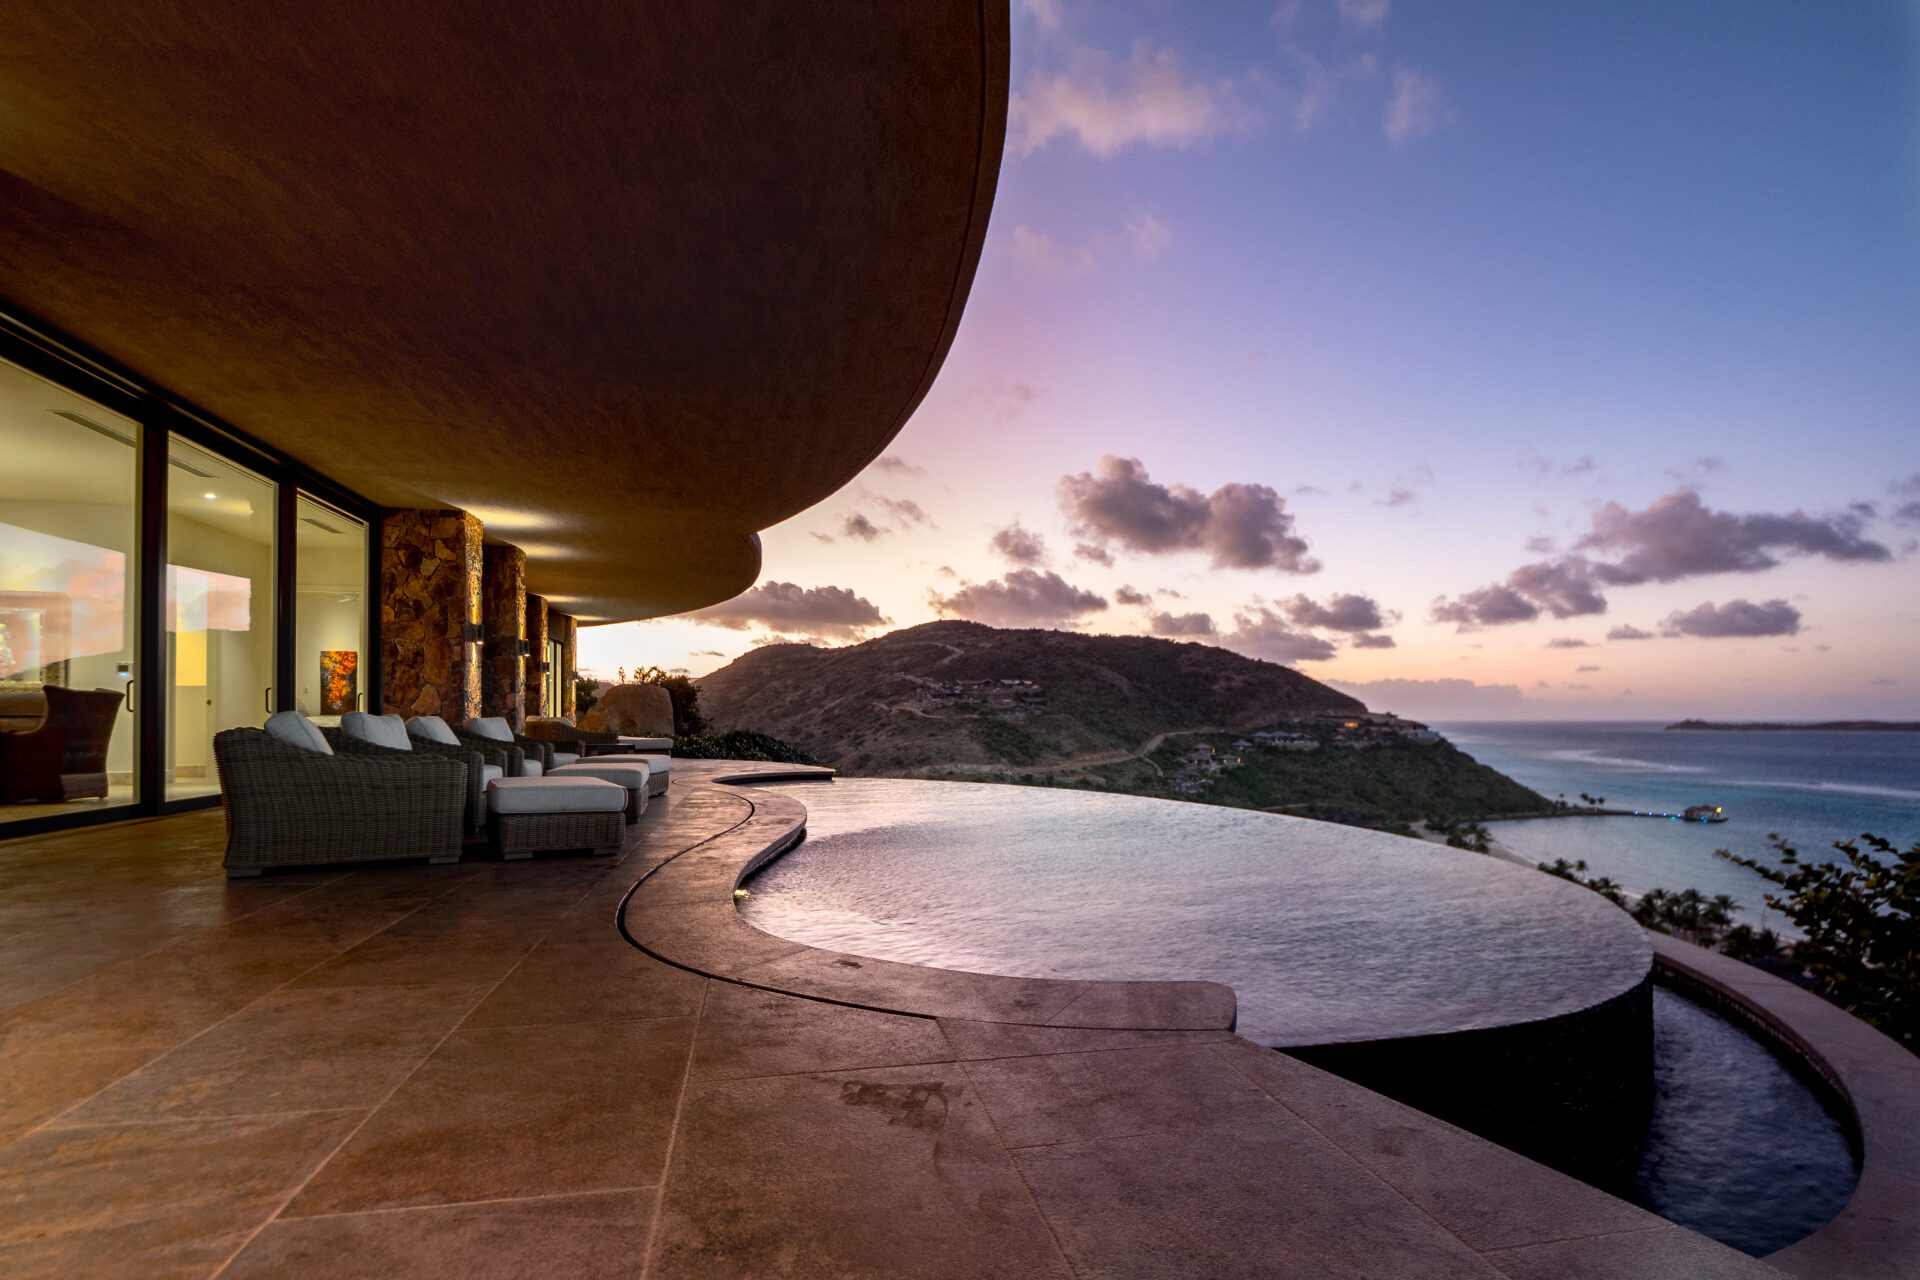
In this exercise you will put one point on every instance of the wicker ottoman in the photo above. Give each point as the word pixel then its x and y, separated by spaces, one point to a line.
pixel 533 814
pixel 630 774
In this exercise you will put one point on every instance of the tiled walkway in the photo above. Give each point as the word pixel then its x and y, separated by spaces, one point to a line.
pixel 468 1071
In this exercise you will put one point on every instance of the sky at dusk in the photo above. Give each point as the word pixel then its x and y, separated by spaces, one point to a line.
pixel 1486 360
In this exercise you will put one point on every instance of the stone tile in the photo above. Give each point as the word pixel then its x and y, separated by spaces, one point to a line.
pixel 884 1173
pixel 1072 1097
pixel 1168 1005
pixel 1465 1182
pixel 36 1086
pixel 516 1111
pixel 910 988
pixel 308 1049
pixel 974 1040
pixel 600 1234
pixel 1664 1252
pixel 433 950
pixel 584 971
pixel 710 938
pixel 749 1032
pixel 1265 1201
pixel 153 1200
pixel 1871 1238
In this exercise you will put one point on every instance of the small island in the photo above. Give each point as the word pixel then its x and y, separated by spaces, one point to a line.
pixel 1824 726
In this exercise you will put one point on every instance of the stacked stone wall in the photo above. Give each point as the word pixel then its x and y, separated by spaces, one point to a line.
pixel 537 656
pixel 430 569
pixel 503 603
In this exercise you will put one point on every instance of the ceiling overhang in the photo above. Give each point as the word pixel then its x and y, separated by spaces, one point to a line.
pixel 630 282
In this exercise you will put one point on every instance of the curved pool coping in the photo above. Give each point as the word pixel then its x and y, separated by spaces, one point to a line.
pixel 1875 1081
pixel 683 912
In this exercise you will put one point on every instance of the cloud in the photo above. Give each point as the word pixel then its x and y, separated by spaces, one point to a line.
pixel 1734 618
pixel 1567 642
pixel 1883 680
pixel 1541 467
pixel 1675 537
pixel 1373 642
pixel 1340 613
pixel 1907 493
pixel 1584 667
pixel 1367 15
pixel 1629 633
pixel 1098 555
pixel 858 526
pixel 1435 699
pixel 1020 598
pixel 791 610
pixel 1416 109
pixel 1678 536
pixel 1148 236
pixel 899 466
pixel 1489 606
pixel 1020 545
pixel 1181 624
pixel 1047 14
pixel 1240 526
pixel 1397 497
pixel 905 511
pixel 1128 595
pixel 1110 105
pixel 1259 632
pixel 1049 259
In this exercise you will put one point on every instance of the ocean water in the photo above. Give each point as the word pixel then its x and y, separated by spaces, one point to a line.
pixel 1813 788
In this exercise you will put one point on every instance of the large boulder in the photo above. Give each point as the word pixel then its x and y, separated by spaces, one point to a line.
pixel 642 710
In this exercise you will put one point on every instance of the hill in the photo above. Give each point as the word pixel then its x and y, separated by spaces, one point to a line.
pixel 963 700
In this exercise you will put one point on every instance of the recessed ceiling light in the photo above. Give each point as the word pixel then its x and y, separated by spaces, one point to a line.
pixel 208 495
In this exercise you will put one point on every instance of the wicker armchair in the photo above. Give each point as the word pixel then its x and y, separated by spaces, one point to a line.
pixel 288 806
pixel 507 755
pixel 470 760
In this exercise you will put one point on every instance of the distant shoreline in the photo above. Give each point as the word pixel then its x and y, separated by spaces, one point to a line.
pixel 1825 726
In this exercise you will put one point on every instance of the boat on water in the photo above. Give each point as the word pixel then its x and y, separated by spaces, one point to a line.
pixel 1704 813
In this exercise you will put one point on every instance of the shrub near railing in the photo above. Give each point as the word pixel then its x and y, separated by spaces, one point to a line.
pixel 740 744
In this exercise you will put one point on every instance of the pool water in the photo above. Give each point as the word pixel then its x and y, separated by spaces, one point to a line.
pixel 1327 934
pixel 1739 1148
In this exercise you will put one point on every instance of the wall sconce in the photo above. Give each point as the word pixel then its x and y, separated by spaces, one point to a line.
pixel 524 647
pixel 473 633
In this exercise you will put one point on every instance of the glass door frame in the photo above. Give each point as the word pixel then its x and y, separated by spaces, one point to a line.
pixel 43 351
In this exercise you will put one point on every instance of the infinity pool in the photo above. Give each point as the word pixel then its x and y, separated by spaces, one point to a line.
pixel 1326 933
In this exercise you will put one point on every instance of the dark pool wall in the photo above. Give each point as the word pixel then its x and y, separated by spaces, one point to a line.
pixel 1573 1092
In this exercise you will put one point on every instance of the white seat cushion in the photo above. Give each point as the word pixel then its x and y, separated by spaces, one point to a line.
pixel 647 744
pixel 531 769
pixel 381 731
pixel 627 772
pixel 296 730
pixel 432 729
pixel 491 773
pixel 657 764
pixel 561 758
pixel 494 727
pixel 555 795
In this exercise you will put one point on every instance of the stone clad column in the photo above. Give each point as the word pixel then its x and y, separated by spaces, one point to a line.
pixel 537 656
pixel 562 629
pixel 503 605
pixel 430 565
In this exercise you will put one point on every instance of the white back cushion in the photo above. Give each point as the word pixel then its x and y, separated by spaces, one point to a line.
pixel 381 731
pixel 494 727
pixel 296 730
pixel 432 729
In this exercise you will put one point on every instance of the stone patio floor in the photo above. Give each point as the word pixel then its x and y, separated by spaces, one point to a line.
pixel 470 1071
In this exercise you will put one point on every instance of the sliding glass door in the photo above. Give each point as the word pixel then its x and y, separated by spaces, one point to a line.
pixel 69 487
pixel 220 617
pixel 330 612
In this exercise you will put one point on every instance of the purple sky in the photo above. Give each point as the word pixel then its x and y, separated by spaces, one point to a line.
pixel 1493 359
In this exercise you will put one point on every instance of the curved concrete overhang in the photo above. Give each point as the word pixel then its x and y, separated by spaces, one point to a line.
pixel 627 282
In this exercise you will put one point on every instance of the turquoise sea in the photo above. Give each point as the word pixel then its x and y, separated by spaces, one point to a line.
pixel 1811 787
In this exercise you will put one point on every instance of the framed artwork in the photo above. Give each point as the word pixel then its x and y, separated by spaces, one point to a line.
pixel 339 681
